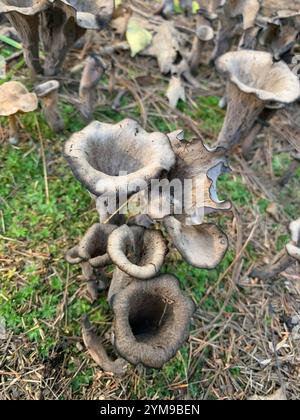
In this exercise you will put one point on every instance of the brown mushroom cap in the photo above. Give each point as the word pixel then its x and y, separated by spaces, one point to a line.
pixel 101 151
pixel 255 72
pixel 202 246
pixel 152 321
pixel 47 88
pixel 137 252
pixel 14 98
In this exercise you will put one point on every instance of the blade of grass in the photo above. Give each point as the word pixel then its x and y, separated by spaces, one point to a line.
pixel 10 42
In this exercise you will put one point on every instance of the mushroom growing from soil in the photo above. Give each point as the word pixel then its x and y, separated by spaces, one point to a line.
pixel 152 321
pixel 91 254
pixel 288 257
pixel 48 93
pixel 95 347
pixel 24 15
pixel 202 246
pixel 15 99
pixel 138 252
pixel 254 82
pixel 113 160
pixel 66 22
pixel 92 73
pixel 203 43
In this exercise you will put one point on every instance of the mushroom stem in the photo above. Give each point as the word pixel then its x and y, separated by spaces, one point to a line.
pixel 243 109
pixel 270 272
pixel 13 130
pixel 51 112
pixel 97 351
pixel 27 27
pixel 91 76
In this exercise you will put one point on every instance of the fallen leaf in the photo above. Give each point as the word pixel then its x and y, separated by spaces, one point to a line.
pixel 137 37
pixel 272 210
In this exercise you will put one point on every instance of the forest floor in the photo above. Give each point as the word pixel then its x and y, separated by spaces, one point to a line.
pixel 240 343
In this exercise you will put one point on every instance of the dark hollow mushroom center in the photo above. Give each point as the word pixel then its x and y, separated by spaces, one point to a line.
pixel 149 316
pixel 111 159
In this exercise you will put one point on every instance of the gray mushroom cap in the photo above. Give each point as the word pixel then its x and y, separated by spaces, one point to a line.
pixel 254 72
pixel 137 252
pixel 98 154
pixel 152 321
pixel 47 88
pixel 248 9
pixel 202 246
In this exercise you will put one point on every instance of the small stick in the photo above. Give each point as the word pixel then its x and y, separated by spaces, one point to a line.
pixel 44 160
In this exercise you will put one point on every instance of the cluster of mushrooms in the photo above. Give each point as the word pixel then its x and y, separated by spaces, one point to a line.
pixel 253 45
pixel 151 314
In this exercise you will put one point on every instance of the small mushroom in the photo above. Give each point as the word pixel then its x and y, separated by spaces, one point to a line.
pixel 254 82
pixel 152 321
pixel 202 45
pixel 113 160
pixel 137 252
pixel 24 15
pixel 15 99
pixel 91 76
pixel 91 254
pixel 293 248
pixel 202 246
pixel 95 347
pixel 48 93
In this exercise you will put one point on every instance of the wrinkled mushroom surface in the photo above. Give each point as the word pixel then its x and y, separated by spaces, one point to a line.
pixel 202 246
pixel 136 251
pixel 48 93
pixel 100 152
pixel 152 321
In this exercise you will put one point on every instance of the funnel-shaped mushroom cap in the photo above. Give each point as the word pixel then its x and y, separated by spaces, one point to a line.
pixel 100 152
pixel 255 72
pixel 120 281
pixel 47 88
pixel 138 252
pixel 152 321
pixel 24 7
pixel 202 246
pixel 14 98
pixel 92 247
pixel 248 9
pixel 91 14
